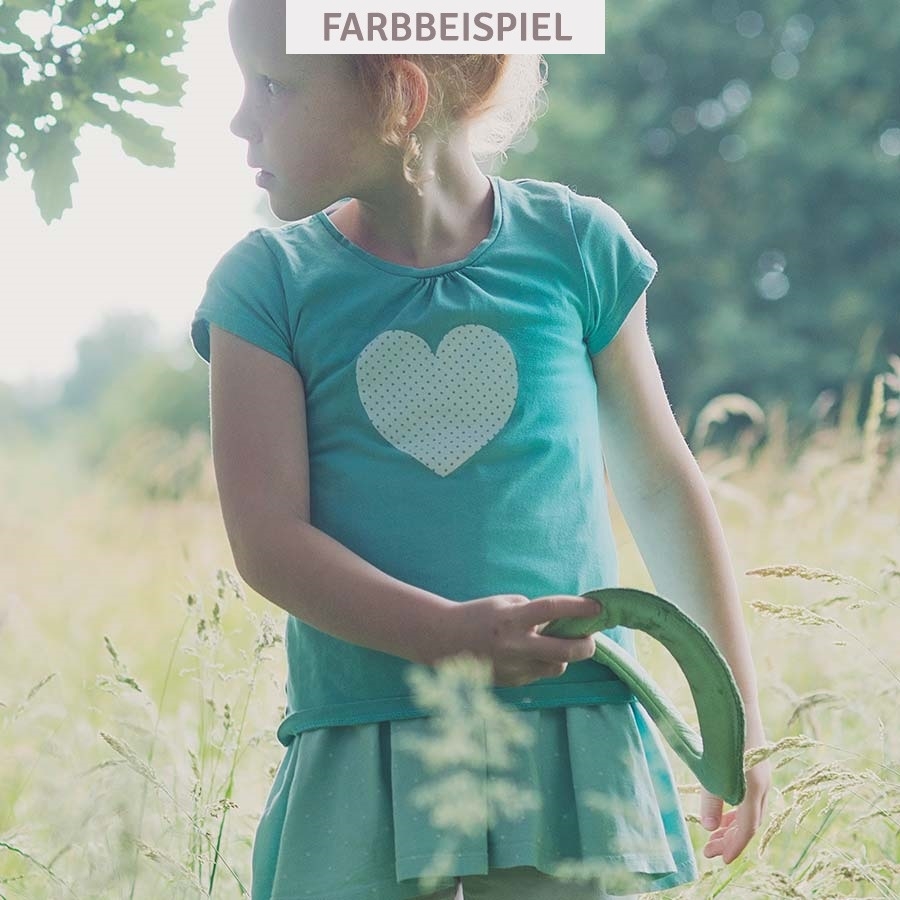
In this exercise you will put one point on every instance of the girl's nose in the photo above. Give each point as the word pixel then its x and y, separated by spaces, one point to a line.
pixel 241 125
pixel 237 126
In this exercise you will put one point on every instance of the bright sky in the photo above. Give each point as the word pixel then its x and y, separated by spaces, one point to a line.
pixel 137 238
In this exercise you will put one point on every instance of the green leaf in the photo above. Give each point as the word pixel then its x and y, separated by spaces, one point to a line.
pixel 140 139
pixel 154 27
pixel 168 79
pixel 5 141
pixel 54 171
pixel 11 80
pixel 77 14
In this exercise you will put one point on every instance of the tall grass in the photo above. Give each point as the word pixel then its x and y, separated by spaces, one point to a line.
pixel 140 688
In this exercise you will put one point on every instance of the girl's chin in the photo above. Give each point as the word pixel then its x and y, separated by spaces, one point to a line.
pixel 291 209
pixel 288 212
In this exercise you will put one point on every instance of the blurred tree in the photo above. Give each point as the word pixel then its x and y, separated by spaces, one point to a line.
pixel 156 391
pixel 755 150
pixel 90 56
pixel 104 354
pixel 150 425
pixel 10 411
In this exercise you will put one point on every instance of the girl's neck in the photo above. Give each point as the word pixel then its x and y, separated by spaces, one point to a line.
pixel 453 215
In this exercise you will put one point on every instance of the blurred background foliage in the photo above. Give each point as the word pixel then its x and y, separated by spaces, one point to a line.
pixel 753 148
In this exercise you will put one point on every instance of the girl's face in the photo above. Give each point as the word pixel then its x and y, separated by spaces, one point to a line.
pixel 303 117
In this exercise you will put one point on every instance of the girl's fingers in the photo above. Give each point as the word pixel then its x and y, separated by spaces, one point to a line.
pixel 558 650
pixel 728 841
pixel 719 842
pixel 737 826
pixel 736 841
pixel 727 819
pixel 561 606
pixel 710 809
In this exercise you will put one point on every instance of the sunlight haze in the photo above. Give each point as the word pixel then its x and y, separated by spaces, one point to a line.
pixel 138 238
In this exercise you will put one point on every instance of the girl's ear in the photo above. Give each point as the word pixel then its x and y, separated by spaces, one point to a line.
pixel 413 86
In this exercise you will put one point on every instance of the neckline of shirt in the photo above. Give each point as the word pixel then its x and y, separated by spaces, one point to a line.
pixel 413 271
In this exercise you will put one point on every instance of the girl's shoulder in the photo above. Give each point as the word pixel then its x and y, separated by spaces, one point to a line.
pixel 280 248
pixel 537 189
pixel 586 209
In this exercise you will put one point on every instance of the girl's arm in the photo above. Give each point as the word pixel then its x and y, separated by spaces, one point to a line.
pixel 670 512
pixel 260 455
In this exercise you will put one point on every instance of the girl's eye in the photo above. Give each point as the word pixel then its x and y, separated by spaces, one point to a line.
pixel 273 88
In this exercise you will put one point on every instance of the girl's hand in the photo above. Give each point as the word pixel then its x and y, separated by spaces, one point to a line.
pixel 733 831
pixel 505 628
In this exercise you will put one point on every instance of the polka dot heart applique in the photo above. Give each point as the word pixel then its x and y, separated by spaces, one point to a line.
pixel 441 408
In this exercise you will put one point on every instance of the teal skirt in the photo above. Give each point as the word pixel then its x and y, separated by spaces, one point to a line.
pixel 347 817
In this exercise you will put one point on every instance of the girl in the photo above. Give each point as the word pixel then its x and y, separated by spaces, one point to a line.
pixel 409 384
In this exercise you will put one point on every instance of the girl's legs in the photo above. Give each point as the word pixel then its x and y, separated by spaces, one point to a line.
pixel 521 883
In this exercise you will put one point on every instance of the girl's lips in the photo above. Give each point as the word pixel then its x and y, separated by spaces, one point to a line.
pixel 264 178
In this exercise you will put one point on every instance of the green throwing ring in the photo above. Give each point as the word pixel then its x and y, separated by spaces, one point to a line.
pixel 716 755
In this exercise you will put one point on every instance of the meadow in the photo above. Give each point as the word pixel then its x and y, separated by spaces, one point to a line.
pixel 141 681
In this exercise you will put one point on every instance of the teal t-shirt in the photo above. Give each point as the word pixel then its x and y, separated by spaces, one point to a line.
pixel 451 420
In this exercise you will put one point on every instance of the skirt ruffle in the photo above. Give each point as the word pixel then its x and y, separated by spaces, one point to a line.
pixel 346 817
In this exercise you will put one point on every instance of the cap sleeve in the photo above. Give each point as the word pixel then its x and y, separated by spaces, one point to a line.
pixel 245 296
pixel 617 268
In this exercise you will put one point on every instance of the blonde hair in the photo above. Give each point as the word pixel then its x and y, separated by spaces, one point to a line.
pixel 497 96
